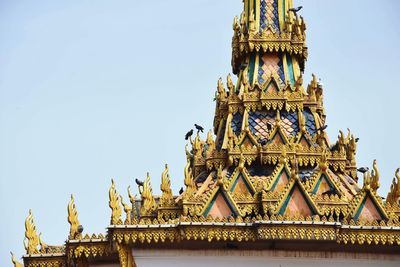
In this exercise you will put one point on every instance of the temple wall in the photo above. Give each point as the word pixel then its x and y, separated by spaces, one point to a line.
pixel 229 258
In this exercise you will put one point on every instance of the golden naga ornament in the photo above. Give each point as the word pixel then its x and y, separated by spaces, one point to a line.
pixel 189 181
pixel 73 219
pixel 166 197
pixel 114 203
pixel 31 238
pixel 149 205
pixel 15 262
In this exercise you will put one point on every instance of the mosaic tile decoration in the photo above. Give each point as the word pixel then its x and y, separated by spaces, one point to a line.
pixel 310 122
pixel 269 14
pixel 261 123
pixel 269 64
pixel 289 122
pixel 237 123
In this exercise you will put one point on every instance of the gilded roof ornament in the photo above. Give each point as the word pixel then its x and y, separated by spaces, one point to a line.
pixel 375 184
pixel 231 86
pixel 31 241
pixel 393 196
pixel 189 181
pixel 167 196
pixel 132 199
pixel 221 90
pixel 73 219
pixel 149 205
pixel 15 262
pixel 114 204
pixel 127 210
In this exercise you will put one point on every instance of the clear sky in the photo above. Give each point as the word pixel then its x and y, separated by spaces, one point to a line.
pixel 94 90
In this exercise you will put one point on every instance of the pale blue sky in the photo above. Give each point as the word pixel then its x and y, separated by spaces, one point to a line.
pixel 91 90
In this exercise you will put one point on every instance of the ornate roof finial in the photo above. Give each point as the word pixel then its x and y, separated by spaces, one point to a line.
pixel 73 219
pixel 113 203
pixel 132 199
pixel 166 187
pixel 31 241
pixel 393 196
pixel 189 181
pixel 231 86
pixel 221 90
pixel 149 205
pixel 15 262
pixel 375 184
pixel 128 211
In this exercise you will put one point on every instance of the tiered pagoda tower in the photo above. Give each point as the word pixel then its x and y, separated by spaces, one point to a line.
pixel 266 178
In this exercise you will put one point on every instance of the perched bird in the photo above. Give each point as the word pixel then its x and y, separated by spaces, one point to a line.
pixel 363 169
pixel 138 182
pixel 199 128
pixel 357 139
pixel 323 128
pixel 181 191
pixel 296 9
pixel 80 229
pixel 263 141
pixel 188 134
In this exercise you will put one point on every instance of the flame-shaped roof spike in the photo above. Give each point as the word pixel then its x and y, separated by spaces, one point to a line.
pixel 14 261
pixel 73 219
pixel 31 241
pixel 113 203
pixel 375 184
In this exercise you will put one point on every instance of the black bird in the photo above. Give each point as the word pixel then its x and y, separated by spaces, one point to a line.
pixel 138 182
pixel 323 128
pixel 199 128
pixel 188 134
pixel 295 10
pixel 263 141
pixel 363 169
pixel 181 191
pixel 80 229
pixel 357 139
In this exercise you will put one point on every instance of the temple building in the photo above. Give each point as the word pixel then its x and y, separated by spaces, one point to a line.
pixel 266 187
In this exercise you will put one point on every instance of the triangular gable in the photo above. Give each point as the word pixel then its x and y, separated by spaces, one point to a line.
pixel 221 206
pixel 304 141
pixel 271 86
pixel 247 139
pixel 280 178
pixel 278 137
pixel 241 184
pixel 369 209
pixel 324 184
pixel 296 201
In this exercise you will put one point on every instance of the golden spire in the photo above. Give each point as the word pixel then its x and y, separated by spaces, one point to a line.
pixel 148 202
pixel 116 211
pixel 73 219
pixel 31 238
pixel 15 262
pixel 166 186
